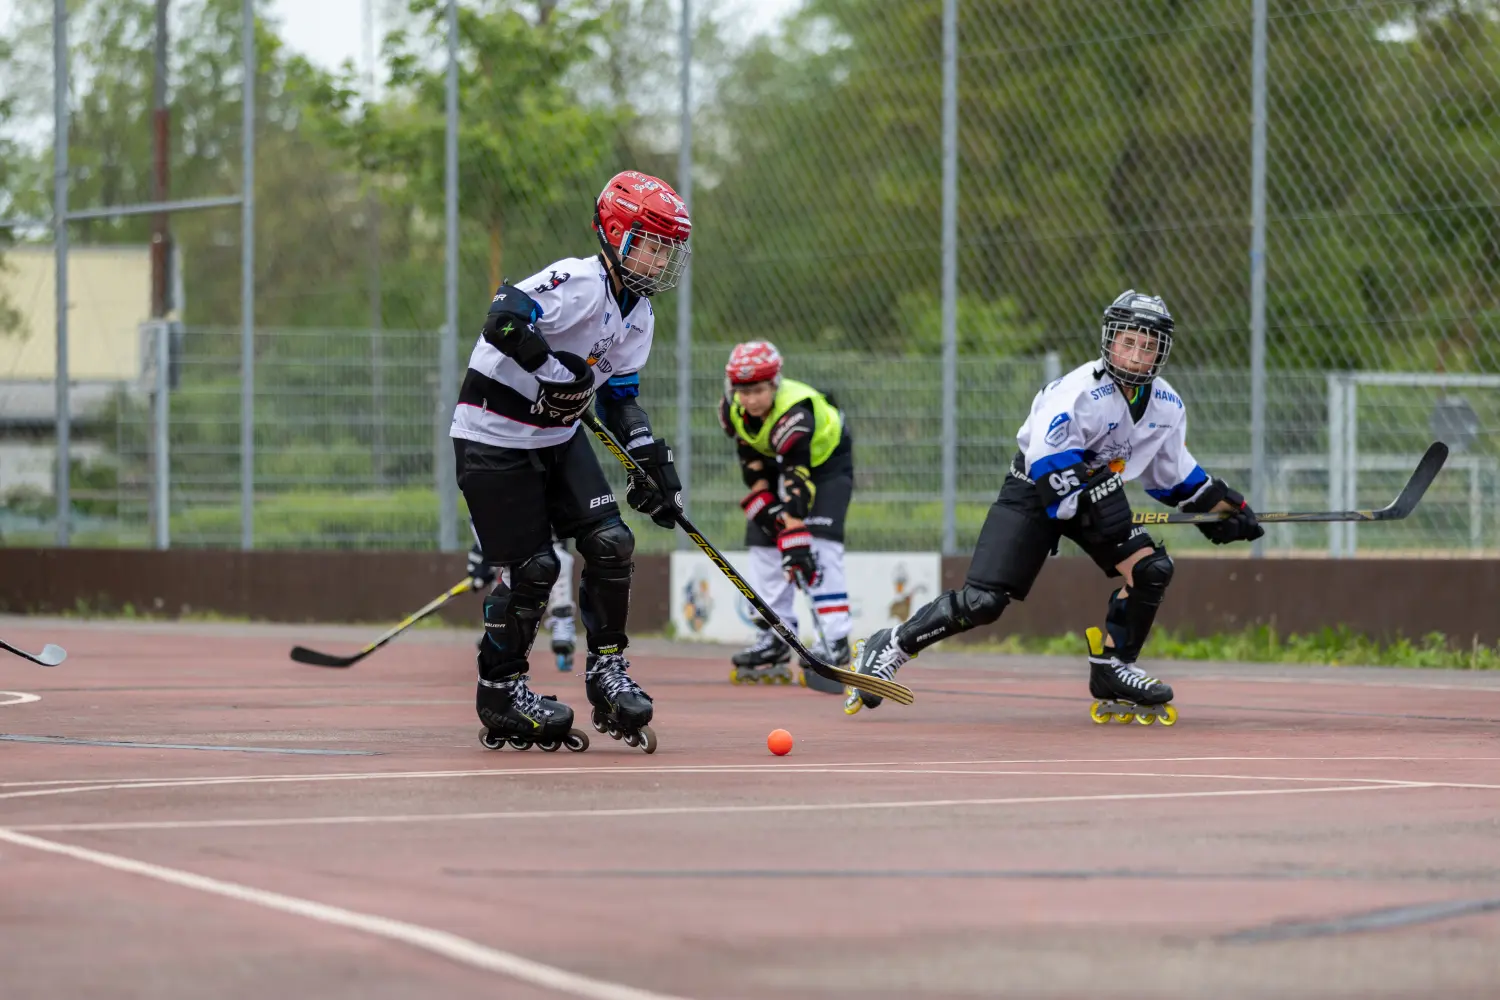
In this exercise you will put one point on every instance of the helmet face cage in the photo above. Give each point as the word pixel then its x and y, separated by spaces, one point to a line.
pixel 649 263
pixel 1125 376
pixel 1146 317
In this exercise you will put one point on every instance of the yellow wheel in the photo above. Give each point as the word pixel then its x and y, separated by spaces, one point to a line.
pixel 1170 719
pixel 734 676
pixel 1125 718
pixel 802 679
pixel 1145 719
pixel 1094 713
pixel 852 702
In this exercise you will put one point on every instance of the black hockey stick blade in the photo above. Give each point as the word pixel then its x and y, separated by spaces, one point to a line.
pixel 50 656
pixel 878 686
pixel 1406 502
pixel 317 659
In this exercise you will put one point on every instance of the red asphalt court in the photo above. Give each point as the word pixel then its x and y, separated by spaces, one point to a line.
pixel 208 818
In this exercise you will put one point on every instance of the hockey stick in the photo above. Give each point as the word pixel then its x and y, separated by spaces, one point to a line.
pixel 1411 494
pixel 877 686
pixel 50 656
pixel 304 655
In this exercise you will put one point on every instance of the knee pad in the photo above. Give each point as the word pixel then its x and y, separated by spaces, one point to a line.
pixel 1152 575
pixel 512 615
pixel 604 597
pixel 954 612
pixel 607 549
pixel 1130 618
pixel 537 574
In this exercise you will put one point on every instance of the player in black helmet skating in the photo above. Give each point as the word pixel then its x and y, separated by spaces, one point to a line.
pixel 1108 421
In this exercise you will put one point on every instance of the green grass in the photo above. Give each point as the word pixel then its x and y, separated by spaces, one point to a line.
pixel 1264 644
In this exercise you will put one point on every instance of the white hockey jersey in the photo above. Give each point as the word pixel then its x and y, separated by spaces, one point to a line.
pixel 579 315
pixel 1084 417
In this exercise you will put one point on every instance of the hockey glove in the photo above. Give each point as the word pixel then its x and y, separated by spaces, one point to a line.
pixel 656 491
pixel 763 510
pixel 482 574
pixel 797 487
pixel 563 402
pixel 1103 509
pixel 1241 526
pixel 753 472
pixel 510 327
pixel 797 559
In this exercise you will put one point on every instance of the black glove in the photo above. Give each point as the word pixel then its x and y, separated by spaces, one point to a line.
pixel 797 487
pixel 656 491
pixel 797 559
pixel 483 574
pixel 565 401
pixel 1241 526
pixel 511 327
pixel 764 511
pixel 1103 509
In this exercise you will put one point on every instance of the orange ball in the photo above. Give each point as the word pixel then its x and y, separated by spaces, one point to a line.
pixel 779 742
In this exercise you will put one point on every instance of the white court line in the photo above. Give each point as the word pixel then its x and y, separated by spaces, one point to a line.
pixel 788 807
pixel 767 767
pixel 440 943
pixel 19 698
pixel 33 793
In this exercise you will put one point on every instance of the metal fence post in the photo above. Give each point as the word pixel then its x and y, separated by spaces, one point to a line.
pixel 247 283
pixel 447 482
pixel 60 249
pixel 684 443
pixel 950 276
pixel 1258 270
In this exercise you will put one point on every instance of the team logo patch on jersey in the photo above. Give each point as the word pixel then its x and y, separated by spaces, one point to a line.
pixel 596 357
pixel 1057 430
pixel 551 282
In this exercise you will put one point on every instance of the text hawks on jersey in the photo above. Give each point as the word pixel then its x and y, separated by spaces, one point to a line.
pixel 797 460
pixel 1108 421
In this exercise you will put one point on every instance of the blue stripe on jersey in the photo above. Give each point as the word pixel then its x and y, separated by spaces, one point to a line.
pixel 1049 463
pixel 1182 490
pixel 621 387
pixel 830 597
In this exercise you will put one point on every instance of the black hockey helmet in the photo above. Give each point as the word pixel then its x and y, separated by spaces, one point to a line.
pixel 1133 312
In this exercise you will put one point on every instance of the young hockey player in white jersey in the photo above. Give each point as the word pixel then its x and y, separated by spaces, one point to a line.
pixel 551 342
pixel 797 460
pixel 1106 422
pixel 559 611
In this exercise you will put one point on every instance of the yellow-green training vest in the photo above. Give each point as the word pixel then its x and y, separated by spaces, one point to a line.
pixel 828 422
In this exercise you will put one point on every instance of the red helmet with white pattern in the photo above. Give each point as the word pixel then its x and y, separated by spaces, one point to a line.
pixel 755 361
pixel 644 228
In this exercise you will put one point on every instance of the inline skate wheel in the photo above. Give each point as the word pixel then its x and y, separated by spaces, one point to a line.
pixel 1169 718
pixel 550 746
pixel 519 743
pixel 576 740
pixel 1101 718
pixel 488 741
pixel 1124 718
pixel 852 702
pixel 1145 718
pixel 647 738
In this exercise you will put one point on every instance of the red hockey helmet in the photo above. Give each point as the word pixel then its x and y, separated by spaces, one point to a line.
pixel 644 229
pixel 755 361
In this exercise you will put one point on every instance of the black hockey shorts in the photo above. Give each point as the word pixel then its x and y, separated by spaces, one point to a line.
pixel 1018 536
pixel 833 488
pixel 519 497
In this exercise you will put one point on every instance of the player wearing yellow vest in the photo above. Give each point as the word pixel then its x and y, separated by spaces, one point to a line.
pixel 797 459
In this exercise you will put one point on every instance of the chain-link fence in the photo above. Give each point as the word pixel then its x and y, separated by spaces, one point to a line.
pixel 1090 146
